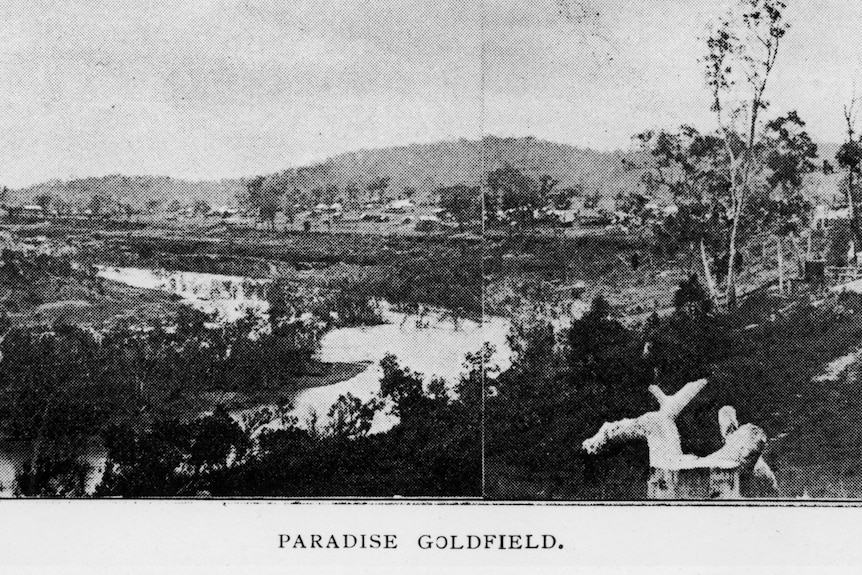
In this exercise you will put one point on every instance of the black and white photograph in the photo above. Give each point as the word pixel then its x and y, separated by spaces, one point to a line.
pixel 241 250
pixel 549 256
pixel 680 268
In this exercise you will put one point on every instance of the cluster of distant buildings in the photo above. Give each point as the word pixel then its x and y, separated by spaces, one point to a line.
pixel 30 211
pixel 35 212
pixel 403 210
pixel 551 215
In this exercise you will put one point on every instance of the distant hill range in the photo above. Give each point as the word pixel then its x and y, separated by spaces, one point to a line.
pixel 135 191
pixel 418 168
pixel 423 168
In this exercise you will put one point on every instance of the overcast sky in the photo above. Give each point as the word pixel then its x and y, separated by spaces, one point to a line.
pixel 217 88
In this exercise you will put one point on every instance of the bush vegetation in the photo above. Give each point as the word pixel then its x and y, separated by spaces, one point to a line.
pixel 564 384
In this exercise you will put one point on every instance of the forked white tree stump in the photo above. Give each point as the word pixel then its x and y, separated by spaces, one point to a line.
pixel 736 470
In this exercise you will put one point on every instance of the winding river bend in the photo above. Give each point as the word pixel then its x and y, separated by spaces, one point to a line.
pixel 434 345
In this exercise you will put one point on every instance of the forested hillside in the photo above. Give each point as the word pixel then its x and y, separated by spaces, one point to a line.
pixel 415 170
pixel 418 170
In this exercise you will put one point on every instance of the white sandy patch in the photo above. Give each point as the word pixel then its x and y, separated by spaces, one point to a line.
pixel 836 367
pixel 223 294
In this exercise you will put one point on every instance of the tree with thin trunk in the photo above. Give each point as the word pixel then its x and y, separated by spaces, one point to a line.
pixel 462 202
pixel 377 189
pixel 741 54
pixel 692 170
pixel 849 157
pixel 688 169
pixel 264 195
pixel 789 154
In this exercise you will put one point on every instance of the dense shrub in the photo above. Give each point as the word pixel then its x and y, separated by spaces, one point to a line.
pixel 434 449
pixel 563 386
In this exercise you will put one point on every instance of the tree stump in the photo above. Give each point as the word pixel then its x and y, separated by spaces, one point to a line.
pixel 694 483
pixel 736 470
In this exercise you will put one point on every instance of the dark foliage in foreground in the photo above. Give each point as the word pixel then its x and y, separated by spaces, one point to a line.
pixel 434 450
pixel 563 386
pixel 69 392
pixel 61 385
pixel 64 387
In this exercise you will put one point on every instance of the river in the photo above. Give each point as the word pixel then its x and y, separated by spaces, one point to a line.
pixel 436 346
pixel 436 349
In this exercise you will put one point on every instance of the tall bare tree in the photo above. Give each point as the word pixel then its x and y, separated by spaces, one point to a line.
pixel 742 50
pixel 849 157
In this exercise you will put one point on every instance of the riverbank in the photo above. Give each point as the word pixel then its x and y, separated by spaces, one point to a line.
pixel 433 342
pixel 41 283
pixel 320 374
pixel 296 337
pixel 437 271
